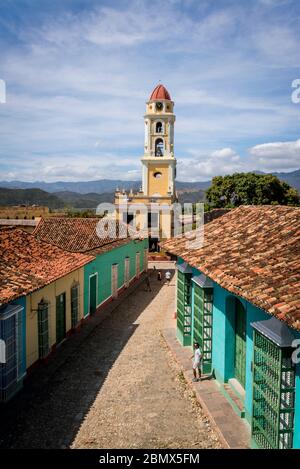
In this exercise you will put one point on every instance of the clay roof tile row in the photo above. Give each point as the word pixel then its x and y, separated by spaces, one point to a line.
pixel 82 234
pixel 253 252
pixel 27 264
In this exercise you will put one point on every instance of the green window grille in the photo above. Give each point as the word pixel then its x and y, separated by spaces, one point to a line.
pixel 60 317
pixel 11 372
pixel 43 329
pixel 202 326
pixel 184 316
pixel 74 305
pixel 273 394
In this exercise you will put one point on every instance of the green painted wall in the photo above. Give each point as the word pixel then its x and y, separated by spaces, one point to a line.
pixel 224 346
pixel 102 266
pixel 297 404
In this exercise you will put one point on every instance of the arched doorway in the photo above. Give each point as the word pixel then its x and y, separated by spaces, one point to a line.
pixel 240 343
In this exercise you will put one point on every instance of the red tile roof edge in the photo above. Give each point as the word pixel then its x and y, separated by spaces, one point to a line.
pixel 108 246
pixel 82 260
pixel 174 245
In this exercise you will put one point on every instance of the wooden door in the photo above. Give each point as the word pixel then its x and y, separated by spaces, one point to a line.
pixel 114 280
pixel 240 343
pixel 60 317
pixel 93 294
pixel 127 271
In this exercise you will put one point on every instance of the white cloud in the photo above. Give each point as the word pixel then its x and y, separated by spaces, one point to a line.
pixel 204 166
pixel 77 85
pixel 276 156
pixel 225 153
pixel 267 157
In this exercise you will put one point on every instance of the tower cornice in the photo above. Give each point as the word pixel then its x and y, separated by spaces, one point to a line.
pixel 159 115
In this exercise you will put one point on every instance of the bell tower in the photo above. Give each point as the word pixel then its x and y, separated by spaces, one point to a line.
pixel 157 192
pixel 158 161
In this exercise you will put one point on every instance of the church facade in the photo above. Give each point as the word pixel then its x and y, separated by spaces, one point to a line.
pixel 151 207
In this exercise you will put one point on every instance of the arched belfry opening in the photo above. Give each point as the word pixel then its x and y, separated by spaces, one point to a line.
pixel 158 127
pixel 159 147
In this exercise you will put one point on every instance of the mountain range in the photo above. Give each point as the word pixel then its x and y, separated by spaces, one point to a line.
pixel 109 185
pixel 99 187
pixel 89 194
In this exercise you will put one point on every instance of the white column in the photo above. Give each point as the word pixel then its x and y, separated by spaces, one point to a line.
pixel 149 137
pixel 146 143
pixel 145 178
pixel 171 182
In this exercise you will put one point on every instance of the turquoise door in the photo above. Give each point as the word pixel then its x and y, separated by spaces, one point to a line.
pixel 93 294
pixel 240 343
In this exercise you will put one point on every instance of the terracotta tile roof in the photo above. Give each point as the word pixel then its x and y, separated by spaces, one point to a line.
pixel 160 92
pixel 253 252
pixel 79 234
pixel 27 264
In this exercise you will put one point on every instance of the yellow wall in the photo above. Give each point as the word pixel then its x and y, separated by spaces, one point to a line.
pixel 49 294
pixel 137 199
pixel 29 213
pixel 161 185
pixel 165 225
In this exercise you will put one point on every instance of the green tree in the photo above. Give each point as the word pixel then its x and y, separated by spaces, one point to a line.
pixel 250 189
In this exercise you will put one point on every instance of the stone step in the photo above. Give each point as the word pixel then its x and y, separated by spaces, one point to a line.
pixel 234 400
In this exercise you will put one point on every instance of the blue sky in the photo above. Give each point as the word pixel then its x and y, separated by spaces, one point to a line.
pixel 78 74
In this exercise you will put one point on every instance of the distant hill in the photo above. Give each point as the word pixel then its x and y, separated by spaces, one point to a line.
pixel 98 187
pixel 29 197
pixel 191 197
pixel 103 186
pixel 293 178
pixel 89 194
pixel 90 200
pixel 84 187
pixel 181 185
pixel 68 199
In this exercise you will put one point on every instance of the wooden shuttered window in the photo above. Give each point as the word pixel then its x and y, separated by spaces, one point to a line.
pixel 43 329
pixel 184 309
pixel 202 324
pixel 273 394
pixel 74 305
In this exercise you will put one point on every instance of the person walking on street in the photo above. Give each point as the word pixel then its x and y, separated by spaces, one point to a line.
pixel 168 277
pixel 197 359
pixel 147 280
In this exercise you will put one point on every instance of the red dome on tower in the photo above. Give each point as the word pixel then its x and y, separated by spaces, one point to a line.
pixel 160 92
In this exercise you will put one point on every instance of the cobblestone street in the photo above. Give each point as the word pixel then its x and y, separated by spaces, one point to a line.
pixel 120 389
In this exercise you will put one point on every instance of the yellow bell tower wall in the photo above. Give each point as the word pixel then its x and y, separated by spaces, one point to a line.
pixel 158 179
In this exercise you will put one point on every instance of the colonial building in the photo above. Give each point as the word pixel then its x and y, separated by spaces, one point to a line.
pixel 51 281
pixel 118 261
pixel 157 192
pixel 41 300
pixel 238 296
